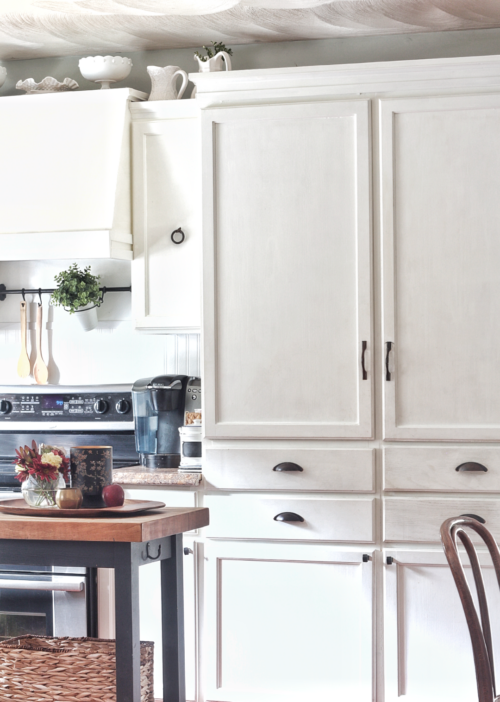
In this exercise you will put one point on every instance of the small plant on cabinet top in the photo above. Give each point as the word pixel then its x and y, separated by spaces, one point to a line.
pixel 213 50
pixel 76 288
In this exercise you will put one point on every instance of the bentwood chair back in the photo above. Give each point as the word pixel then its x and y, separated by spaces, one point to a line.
pixel 479 625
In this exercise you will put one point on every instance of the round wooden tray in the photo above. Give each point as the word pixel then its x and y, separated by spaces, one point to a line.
pixel 130 507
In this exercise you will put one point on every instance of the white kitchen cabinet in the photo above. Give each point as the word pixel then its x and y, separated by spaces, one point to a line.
pixel 166 276
pixel 427 650
pixel 287 622
pixel 440 216
pixel 287 271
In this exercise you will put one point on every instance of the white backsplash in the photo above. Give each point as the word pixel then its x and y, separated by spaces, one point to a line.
pixel 112 353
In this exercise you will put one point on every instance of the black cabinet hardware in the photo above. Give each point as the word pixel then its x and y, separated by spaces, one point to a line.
pixel 187 551
pixel 471 467
pixel 180 236
pixel 287 467
pixel 389 346
pixel 149 556
pixel 288 517
pixel 475 516
pixel 366 558
pixel 363 351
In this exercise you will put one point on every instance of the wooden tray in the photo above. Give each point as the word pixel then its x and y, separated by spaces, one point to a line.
pixel 130 507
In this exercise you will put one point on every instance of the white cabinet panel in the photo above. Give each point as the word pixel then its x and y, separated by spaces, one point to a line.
pixel 166 282
pixel 322 469
pixel 434 469
pixel 244 516
pixel 287 271
pixel 287 624
pixel 415 519
pixel 427 652
pixel 440 216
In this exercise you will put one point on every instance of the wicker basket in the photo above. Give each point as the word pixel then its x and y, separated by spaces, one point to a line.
pixel 44 669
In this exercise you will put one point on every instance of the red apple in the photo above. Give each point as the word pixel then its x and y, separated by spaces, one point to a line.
pixel 113 495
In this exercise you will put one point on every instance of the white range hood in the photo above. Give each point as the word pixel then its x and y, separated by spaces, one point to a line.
pixel 65 181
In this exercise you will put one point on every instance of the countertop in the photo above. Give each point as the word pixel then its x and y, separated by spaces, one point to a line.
pixel 138 475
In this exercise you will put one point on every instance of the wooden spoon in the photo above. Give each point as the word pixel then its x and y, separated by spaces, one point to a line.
pixel 23 365
pixel 40 370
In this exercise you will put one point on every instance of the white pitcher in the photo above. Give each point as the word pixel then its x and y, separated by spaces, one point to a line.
pixel 216 63
pixel 164 82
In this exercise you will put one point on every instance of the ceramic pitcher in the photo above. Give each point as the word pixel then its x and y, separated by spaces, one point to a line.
pixel 164 82
pixel 216 63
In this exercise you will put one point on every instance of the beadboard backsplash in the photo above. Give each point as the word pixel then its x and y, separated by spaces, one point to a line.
pixel 112 353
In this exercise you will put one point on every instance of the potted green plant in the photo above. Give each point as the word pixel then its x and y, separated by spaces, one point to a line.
pixel 216 58
pixel 78 291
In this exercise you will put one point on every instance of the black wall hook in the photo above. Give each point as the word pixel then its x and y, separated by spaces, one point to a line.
pixel 40 296
pixel 149 556
pixel 24 298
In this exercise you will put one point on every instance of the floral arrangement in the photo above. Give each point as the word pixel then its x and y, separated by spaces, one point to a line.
pixel 43 462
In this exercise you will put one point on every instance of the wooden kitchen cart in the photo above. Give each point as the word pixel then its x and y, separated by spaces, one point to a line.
pixel 124 544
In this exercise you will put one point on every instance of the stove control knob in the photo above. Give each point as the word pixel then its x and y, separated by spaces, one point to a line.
pixel 101 406
pixel 5 407
pixel 122 406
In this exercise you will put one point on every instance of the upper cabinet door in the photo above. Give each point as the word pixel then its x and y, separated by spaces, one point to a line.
pixel 441 253
pixel 166 272
pixel 287 279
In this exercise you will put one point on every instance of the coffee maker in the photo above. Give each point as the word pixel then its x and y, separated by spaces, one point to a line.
pixel 160 406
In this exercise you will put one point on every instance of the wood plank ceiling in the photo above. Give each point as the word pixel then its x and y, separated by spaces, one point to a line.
pixel 36 28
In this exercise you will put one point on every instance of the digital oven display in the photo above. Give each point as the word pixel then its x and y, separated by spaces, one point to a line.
pixel 52 402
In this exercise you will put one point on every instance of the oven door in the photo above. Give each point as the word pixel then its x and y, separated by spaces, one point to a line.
pixel 43 602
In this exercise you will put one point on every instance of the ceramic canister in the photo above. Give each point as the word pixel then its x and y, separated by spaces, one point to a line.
pixel 91 471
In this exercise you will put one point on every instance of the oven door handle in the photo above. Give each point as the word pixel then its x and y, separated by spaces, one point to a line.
pixel 76 585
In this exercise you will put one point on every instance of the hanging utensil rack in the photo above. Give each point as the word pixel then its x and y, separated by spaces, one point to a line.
pixel 48 291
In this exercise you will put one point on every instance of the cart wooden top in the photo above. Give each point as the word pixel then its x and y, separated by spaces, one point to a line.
pixel 138 528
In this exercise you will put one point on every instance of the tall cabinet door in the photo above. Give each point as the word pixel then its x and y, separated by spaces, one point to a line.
pixel 287 318
pixel 441 252
pixel 287 623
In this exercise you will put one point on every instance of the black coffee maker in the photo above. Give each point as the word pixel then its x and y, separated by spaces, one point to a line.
pixel 160 405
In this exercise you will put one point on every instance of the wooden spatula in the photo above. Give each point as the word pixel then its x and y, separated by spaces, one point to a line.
pixel 40 370
pixel 23 365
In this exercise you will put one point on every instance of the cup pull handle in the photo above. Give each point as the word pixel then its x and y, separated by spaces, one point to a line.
pixel 287 467
pixel 475 516
pixel 288 517
pixel 471 467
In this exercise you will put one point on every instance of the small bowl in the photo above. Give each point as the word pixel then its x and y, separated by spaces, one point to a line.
pixel 3 75
pixel 69 498
pixel 105 69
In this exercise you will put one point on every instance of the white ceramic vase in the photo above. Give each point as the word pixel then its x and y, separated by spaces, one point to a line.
pixel 219 62
pixel 164 82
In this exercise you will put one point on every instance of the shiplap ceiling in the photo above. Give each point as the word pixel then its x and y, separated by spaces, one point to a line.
pixel 35 28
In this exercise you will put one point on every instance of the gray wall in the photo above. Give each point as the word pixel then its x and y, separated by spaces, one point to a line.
pixel 477 42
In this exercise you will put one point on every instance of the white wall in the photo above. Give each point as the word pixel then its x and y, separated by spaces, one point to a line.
pixel 112 353
pixel 474 42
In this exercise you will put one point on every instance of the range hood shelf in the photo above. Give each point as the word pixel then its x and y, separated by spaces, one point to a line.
pixel 65 182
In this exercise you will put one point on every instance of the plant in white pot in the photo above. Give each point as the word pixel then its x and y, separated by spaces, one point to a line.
pixel 78 292
pixel 216 58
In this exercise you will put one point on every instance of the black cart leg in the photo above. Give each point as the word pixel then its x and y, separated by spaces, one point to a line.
pixel 128 646
pixel 172 613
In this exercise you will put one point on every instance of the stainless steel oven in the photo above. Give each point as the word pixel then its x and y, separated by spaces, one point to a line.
pixel 59 601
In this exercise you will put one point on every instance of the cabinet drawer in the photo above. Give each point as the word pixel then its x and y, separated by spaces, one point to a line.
pixel 419 520
pixel 325 519
pixel 433 469
pixel 342 470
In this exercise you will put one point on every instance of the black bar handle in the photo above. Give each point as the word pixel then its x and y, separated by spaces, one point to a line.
pixel 471 467
pixel 364 344
pixel 475 516
pixel 287 467
pixel 389 345
pixel 288 517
